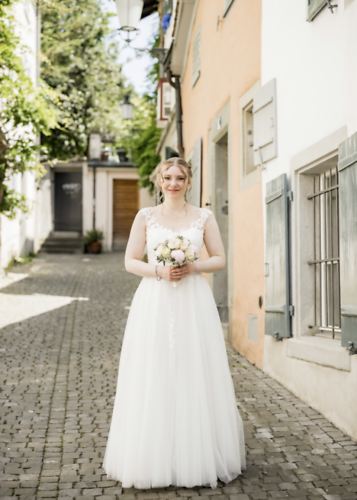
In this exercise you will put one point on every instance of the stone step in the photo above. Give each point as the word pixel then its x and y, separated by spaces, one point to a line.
pixel 62 244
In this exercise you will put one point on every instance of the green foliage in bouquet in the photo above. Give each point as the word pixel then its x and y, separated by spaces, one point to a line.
pixel 93 236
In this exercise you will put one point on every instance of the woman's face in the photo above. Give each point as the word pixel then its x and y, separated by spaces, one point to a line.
pixel 173 183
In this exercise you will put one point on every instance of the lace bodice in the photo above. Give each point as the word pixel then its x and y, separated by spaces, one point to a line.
pixel 157 233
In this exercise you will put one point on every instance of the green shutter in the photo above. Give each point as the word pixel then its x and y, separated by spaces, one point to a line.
pixel 314 7
pixel 277 288
pixel 347 168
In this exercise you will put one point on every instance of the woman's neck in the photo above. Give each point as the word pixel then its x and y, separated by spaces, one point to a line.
pixel 175 205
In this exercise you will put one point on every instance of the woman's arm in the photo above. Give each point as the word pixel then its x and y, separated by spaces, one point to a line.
pixel 215 249
pixel 135 250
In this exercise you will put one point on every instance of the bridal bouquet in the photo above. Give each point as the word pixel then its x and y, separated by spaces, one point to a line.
pixel 177 251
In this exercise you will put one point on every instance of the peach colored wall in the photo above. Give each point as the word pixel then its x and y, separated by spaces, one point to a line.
pixel 230 65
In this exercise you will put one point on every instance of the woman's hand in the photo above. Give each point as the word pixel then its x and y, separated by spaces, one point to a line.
pixel 175 273
pixel 189 268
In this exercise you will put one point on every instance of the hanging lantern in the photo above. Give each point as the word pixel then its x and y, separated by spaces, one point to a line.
pixel 129 14
pixel 127 108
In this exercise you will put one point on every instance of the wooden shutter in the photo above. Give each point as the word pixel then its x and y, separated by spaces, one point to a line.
pixel 196 56
pixel 347 168
pixel 265 131
pixel 277 294
pixel 195 195
pixel 314 7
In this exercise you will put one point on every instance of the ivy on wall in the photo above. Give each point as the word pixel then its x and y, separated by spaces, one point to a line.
pixel 26 111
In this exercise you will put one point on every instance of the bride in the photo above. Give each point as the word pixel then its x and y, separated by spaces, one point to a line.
pixel 175 419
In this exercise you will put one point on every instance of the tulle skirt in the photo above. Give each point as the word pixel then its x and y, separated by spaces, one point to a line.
pixel 175 418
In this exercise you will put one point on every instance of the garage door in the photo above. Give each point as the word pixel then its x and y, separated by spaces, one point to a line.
pixel 125 208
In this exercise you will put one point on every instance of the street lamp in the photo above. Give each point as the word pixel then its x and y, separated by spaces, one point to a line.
pixel 129 14
pixel 127 108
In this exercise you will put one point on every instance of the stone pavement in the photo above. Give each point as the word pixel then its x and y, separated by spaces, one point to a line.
pixel 62 319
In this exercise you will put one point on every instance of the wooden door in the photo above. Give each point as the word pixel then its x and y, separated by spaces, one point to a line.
pixel 125 208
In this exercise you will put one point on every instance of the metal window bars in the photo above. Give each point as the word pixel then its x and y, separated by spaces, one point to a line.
pixel 326 260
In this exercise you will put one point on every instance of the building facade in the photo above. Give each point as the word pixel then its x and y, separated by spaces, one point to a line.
pixel 309 193
pixel 215 50
pixel 270 127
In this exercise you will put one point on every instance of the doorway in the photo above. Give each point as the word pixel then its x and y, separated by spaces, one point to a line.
pixel 220 279
pixel 125 208
pixel 68 201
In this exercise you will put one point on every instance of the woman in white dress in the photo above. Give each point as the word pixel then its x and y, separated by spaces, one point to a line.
pixel 175 419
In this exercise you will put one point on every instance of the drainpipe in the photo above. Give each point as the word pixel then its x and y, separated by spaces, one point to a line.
pixel 177 86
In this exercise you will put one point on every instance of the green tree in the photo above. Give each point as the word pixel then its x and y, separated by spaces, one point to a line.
pixel 25 111
pixel 141 136
pixel 79 62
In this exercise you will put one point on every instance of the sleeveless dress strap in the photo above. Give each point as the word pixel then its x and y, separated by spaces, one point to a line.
pixel 204 215
pixel 149 216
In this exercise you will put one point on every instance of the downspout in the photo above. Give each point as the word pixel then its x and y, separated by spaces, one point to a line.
pixel 177 86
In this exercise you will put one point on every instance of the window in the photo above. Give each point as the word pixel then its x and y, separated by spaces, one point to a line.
pixel 196 56
pixel 249 172
pixel 265 129
pixel 166 101
pixel 326 259
pixel 248 137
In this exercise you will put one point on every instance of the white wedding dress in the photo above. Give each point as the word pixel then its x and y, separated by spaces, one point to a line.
pixel 175 418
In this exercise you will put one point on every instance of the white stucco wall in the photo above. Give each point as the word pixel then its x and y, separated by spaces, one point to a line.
pixel 104 199
pixel 316 72
pixel 315 68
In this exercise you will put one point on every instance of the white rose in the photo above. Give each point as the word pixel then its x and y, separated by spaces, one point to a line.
pixel 190 254
pixel 159 251
pixel 174 243
pixel 185 244
pixel 166 252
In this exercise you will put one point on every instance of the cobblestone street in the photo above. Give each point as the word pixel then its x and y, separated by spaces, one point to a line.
pixel 62 319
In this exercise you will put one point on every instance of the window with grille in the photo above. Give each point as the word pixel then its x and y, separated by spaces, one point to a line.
pixel 326 261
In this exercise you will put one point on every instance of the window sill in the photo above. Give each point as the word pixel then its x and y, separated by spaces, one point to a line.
pixel 249 180
pixel 324 352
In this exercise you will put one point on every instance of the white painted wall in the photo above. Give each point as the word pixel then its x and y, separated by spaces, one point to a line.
pixel 104 199
pixel 316 72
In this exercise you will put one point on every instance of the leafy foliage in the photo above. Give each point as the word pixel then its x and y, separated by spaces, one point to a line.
pixel 25 111
pixel 93 236
pixel 79 62
pixel 141 137
pixel 11 202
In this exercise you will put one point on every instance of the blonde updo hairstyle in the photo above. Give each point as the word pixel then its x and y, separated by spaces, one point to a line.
pixel 174 162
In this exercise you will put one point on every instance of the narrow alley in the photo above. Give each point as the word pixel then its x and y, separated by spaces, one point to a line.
pixel 62 320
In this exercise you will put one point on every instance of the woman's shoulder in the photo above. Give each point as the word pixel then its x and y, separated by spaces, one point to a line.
pixel 146 212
